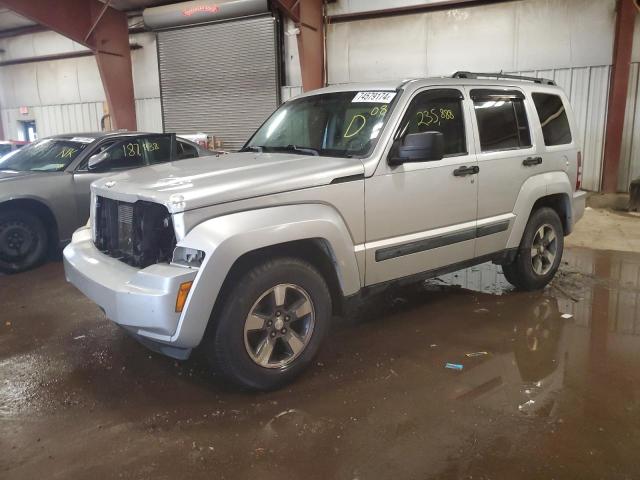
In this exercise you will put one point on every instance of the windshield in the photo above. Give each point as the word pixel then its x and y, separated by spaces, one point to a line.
pixel 48 155
pixel 342 124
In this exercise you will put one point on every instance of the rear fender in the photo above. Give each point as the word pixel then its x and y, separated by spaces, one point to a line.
pixel 533 189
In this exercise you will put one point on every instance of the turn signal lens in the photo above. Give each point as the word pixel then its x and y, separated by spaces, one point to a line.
pixel 183 293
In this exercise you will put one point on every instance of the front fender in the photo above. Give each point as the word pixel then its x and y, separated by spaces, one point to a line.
pixel 225 239
pixel 532 190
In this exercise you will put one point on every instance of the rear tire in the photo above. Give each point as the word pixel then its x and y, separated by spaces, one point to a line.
pixel 540 252
pixel 271 324
pixel 23 241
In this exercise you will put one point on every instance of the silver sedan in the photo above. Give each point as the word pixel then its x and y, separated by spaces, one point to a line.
pixel 44 187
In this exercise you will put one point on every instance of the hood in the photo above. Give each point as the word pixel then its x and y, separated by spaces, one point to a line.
pixel 204 181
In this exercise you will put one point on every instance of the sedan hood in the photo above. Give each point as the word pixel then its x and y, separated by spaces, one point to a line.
pixel 200 182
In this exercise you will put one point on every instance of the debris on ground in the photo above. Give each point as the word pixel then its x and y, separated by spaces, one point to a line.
pixel 453 366
pixel 476 354
pixel 566 316
pixel 79 337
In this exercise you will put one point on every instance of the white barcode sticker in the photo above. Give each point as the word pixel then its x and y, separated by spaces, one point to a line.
pixel 373 97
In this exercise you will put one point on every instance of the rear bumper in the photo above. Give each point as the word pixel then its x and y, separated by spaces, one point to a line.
pixel 141 301
pixel 578 205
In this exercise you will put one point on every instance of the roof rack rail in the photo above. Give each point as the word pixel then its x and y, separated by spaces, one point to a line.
pixel 462 74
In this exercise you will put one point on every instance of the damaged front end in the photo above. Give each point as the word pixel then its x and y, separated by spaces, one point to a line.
pixel 139 234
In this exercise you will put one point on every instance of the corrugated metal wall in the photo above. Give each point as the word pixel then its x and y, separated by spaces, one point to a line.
pixel 575 49
pixel 630 155
pixel 56 119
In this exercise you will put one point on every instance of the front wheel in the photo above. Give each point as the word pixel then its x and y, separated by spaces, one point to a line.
pixel 23 241
pixel 540 251
pixel 271 324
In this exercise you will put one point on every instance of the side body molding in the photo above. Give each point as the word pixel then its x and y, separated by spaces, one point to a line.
pixel 225 239
pixel 533 189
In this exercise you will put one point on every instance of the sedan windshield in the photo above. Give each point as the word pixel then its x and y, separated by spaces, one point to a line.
pixel 48 155
pixel 343 124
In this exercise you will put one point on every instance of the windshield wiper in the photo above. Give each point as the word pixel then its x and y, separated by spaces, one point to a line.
pixel 281 148
pixel 295 148
pixel 252 148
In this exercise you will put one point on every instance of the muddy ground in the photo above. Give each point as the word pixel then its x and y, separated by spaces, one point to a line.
pixel 552 397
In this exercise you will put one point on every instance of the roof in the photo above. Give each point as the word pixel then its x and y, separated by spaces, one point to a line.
pixel 430 82
pixel 97 135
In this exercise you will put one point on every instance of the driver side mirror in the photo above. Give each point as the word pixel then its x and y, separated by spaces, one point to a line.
pixel 417 147
pixel 97 162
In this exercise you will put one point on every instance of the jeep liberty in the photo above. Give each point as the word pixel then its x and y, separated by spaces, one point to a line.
pixel 341 192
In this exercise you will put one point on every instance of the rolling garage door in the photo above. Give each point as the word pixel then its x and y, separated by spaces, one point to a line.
pixel 220 79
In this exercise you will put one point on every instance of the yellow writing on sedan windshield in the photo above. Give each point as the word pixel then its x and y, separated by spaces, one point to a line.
pixel 66 152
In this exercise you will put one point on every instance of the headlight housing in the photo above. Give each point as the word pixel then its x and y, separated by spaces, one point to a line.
pixel 188 257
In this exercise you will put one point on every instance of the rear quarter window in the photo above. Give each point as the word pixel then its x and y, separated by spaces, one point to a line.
pixel 553 119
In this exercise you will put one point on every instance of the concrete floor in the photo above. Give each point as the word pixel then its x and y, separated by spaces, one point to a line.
pixel 552 397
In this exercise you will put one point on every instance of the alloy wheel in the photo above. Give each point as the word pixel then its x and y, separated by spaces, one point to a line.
pixel 279 326
pixel 544 249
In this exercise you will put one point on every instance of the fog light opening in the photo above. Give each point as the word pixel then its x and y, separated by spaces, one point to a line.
pixel 183 293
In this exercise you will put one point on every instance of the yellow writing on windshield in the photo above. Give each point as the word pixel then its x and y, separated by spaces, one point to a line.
pixel 430 117
pixel 357 123
pixel 67 152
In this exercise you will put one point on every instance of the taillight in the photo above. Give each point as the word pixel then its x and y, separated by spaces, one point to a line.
pixel 579 173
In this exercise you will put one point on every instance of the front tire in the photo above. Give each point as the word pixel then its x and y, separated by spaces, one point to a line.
pixel 23 241
pixel 540 252
pixel 271 324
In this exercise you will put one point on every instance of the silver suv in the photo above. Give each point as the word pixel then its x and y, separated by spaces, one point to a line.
pixel 341 192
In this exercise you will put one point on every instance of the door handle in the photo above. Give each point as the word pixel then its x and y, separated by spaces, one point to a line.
pixel 531 161
pixel 463 171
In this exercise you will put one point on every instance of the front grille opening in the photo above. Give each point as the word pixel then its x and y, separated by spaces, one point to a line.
pixel 139 234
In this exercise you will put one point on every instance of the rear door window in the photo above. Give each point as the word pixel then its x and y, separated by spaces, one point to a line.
pixel 553 119
pixel 139 151
pixel 437 110
pixel 502 119
pixel 186 150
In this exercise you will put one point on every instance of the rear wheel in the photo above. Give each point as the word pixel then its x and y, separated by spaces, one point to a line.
pixel 271 324
pixel 23 241
pixel 540 251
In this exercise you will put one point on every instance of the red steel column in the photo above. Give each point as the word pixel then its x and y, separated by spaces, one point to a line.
pixel 108 40
pixel 626 13
pixel 311 44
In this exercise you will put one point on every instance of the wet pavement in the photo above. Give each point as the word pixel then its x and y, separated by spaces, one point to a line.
pixel 552 397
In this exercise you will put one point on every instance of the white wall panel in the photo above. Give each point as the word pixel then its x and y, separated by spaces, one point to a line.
pixel 551 49
pixel 89 83
pixel 470 39
pixel 57 82
pixel 287 92
pixel 149 115
pixel 370 57
pixel 24 86
pixel 352 6
pixel 592 26
pixel 146 82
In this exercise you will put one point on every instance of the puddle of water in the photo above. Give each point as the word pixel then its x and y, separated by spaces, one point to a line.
pixel 552 397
